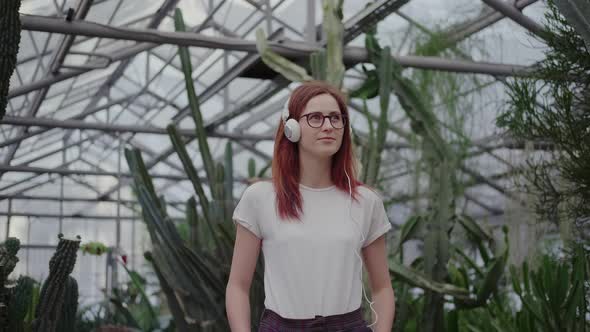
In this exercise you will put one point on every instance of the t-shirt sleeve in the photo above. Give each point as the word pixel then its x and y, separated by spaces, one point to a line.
pixel 245 212
pixel 379 222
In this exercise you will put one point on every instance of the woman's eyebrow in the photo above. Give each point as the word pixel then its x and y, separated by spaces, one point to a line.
pixel 329 111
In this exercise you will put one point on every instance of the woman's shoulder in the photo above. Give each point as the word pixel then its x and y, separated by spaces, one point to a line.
pixel 259 188
pixel 369 193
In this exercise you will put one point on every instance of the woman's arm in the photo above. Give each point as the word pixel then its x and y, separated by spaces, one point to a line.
pixel 237 293
pixel 375 258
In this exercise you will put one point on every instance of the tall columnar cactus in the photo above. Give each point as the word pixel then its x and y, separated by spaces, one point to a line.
pixel 193 275
pixel 442 159
pixel 67 319
pixel 9 40
pixel 8 257
pixel 56 286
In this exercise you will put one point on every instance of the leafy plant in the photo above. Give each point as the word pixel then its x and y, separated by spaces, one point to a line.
pixel 552 107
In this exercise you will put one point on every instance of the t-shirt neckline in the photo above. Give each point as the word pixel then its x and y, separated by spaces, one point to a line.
pixel 317 189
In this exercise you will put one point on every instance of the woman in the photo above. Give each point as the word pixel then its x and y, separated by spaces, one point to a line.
pixel 311 221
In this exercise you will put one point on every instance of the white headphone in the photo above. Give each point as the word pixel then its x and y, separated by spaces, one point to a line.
pixel 292 129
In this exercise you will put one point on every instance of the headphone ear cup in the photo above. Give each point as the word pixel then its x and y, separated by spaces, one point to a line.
pixel 292 130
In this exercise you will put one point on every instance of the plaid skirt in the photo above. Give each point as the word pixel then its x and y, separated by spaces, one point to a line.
pixel 352 321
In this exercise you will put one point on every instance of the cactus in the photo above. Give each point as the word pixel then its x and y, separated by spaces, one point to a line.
pixel 278 63
pixel 334 30
pixel 193 273
pixel 317 63
pixel 194 102
pixel 20 301
pixel 251 167
pixel 228 184
pixel 9 41
pixel 326 65
pixel 57 286
pixel 67 319
pixel 8 257
pixel 8 261
pixel 4 297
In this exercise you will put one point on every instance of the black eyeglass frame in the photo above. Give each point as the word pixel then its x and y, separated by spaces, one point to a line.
pixel 306 116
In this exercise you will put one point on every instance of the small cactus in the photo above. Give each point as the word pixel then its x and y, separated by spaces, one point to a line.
pixel 8 257
pixel 57 286
pixel 19 303
pixel 12 245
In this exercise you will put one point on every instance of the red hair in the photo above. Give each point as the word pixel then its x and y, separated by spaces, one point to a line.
pixel 285 162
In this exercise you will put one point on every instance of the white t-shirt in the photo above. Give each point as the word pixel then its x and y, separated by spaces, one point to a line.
pixel 310 266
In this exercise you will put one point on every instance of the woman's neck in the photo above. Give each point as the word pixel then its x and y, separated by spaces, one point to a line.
pixel 315 172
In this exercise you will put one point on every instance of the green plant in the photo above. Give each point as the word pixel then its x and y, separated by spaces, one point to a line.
pixel 67 318
pixel 193 269
pixel 551 298
pixel 20 302
pixel 9 42
pixel 555 296
pixel 58 298
pixel 552 107
pixel 326 64
pixel 442 161
pixel 8 261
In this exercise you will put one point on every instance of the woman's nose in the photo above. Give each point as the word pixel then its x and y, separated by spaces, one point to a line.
pixel 327 125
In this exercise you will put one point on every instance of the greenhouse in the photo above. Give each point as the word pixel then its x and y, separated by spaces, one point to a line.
pixel 131 132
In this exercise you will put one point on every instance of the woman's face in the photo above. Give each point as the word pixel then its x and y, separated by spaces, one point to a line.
pixel 325 140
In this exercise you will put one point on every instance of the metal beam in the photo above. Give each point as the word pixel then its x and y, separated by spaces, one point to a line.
pixel 510 11
pixel 465 29
pixel 75 124
pixel 264 11
pixel 32 177
pixel 64 171
pixel 61 148
pixel 118 72
pixel 285 48
pixel 79 41
pixel 260 115
pixel 74 216
pixel 279 84
pixel 75 117
pixel 56 62
pixel 76 199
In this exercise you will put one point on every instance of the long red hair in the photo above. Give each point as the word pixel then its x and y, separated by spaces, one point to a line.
pixel 285 162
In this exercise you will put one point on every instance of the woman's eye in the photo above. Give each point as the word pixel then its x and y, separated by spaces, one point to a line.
pixel 315 117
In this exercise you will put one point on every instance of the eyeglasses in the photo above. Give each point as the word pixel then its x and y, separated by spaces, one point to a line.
pixel 316 119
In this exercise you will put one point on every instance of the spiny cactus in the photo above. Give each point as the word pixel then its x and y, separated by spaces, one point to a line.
pixel 55 288
pixel 8 257
pixel 9 41
pixel 19 303
pixel 67 320
pixel 4 296
pixel 8 261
